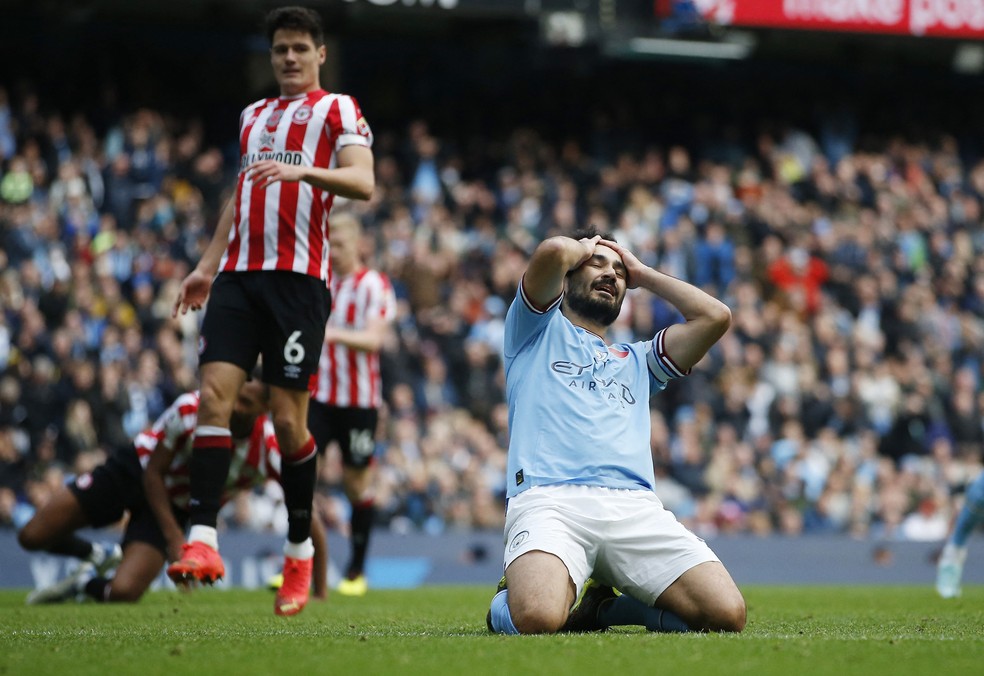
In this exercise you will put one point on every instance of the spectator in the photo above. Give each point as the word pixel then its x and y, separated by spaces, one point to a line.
pixel 852 275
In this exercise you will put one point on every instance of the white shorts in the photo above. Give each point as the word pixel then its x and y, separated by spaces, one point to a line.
pixel 621 538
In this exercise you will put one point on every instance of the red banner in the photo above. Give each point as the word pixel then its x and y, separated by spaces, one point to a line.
pixel 935 18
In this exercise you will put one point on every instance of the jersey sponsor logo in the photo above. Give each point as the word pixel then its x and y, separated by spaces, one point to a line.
pixel 569 368
pixel 293 157
pixel 362 126
pixel 266 141
pixel 274 118
pixel 518 541
pixel 583 379
pixel 302 115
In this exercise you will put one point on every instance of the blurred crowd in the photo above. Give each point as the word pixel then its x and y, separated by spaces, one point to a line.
pixel 847 398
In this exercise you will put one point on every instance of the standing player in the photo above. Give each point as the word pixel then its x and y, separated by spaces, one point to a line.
pixel 150 481
pixel 949 570
pixel 580 472
pixel 348 393
pixel 270 297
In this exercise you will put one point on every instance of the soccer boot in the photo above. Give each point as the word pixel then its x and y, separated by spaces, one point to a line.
pixel 584 615
pixel 949 570
pixel 356 586
pixel 488 615
pixel 293 593
pixel 199 563
pixel 66 589
pixel 106 557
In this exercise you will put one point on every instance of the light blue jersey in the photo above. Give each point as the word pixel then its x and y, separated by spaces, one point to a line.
pixel 578 407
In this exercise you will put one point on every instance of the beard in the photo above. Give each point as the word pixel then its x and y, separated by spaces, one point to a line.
pixel 599 310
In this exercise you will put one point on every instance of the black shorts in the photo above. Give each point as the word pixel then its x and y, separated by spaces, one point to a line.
pixel 116 487
pixel 277 314
pixel 353 428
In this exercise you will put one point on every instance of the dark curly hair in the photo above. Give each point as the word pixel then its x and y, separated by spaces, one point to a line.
pixel 296 19
pixel 589 231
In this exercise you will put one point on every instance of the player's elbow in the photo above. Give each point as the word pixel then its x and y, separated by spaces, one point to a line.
pixel 715 319
pixel 364 186
pixel 364 191
pixel 720 316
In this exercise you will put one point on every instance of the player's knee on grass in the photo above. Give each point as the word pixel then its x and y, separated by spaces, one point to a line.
pixel 534 617
pixel 32 536
pixel 123 591
pixel 727 614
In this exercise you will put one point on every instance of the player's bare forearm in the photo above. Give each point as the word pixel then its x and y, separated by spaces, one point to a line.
pixel 159 502
pixel 543 281
pixel 369 339
pixel 707 318
pixel 209 263
pixel 353 177
pixel 356 182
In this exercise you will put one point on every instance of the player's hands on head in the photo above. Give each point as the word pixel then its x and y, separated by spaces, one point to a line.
pixel 266 172
pixel 589 244
pixel 633 266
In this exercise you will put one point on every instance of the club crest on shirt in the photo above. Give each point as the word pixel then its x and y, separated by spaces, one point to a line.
pixel 274 118
pixel 517 541
pixel 302 115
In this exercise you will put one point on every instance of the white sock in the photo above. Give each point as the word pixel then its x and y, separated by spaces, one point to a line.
pixel 299 550
pixel 204 534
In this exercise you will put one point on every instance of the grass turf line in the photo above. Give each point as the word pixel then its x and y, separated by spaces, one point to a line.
pixel 441 630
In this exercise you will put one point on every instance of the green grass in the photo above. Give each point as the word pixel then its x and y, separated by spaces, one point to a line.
pixel 796 631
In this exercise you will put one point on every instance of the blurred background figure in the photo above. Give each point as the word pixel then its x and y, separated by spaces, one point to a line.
pixel 347 393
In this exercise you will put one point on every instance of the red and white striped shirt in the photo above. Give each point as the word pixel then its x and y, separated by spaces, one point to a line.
pixel 346 377
pixel 254 460
pixel 284 226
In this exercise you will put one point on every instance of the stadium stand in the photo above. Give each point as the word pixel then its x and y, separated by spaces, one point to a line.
pixel 845 234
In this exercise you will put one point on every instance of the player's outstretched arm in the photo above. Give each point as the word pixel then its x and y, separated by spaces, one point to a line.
pixel 707 318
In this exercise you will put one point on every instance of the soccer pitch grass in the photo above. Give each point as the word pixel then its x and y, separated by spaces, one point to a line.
pixel 441 630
